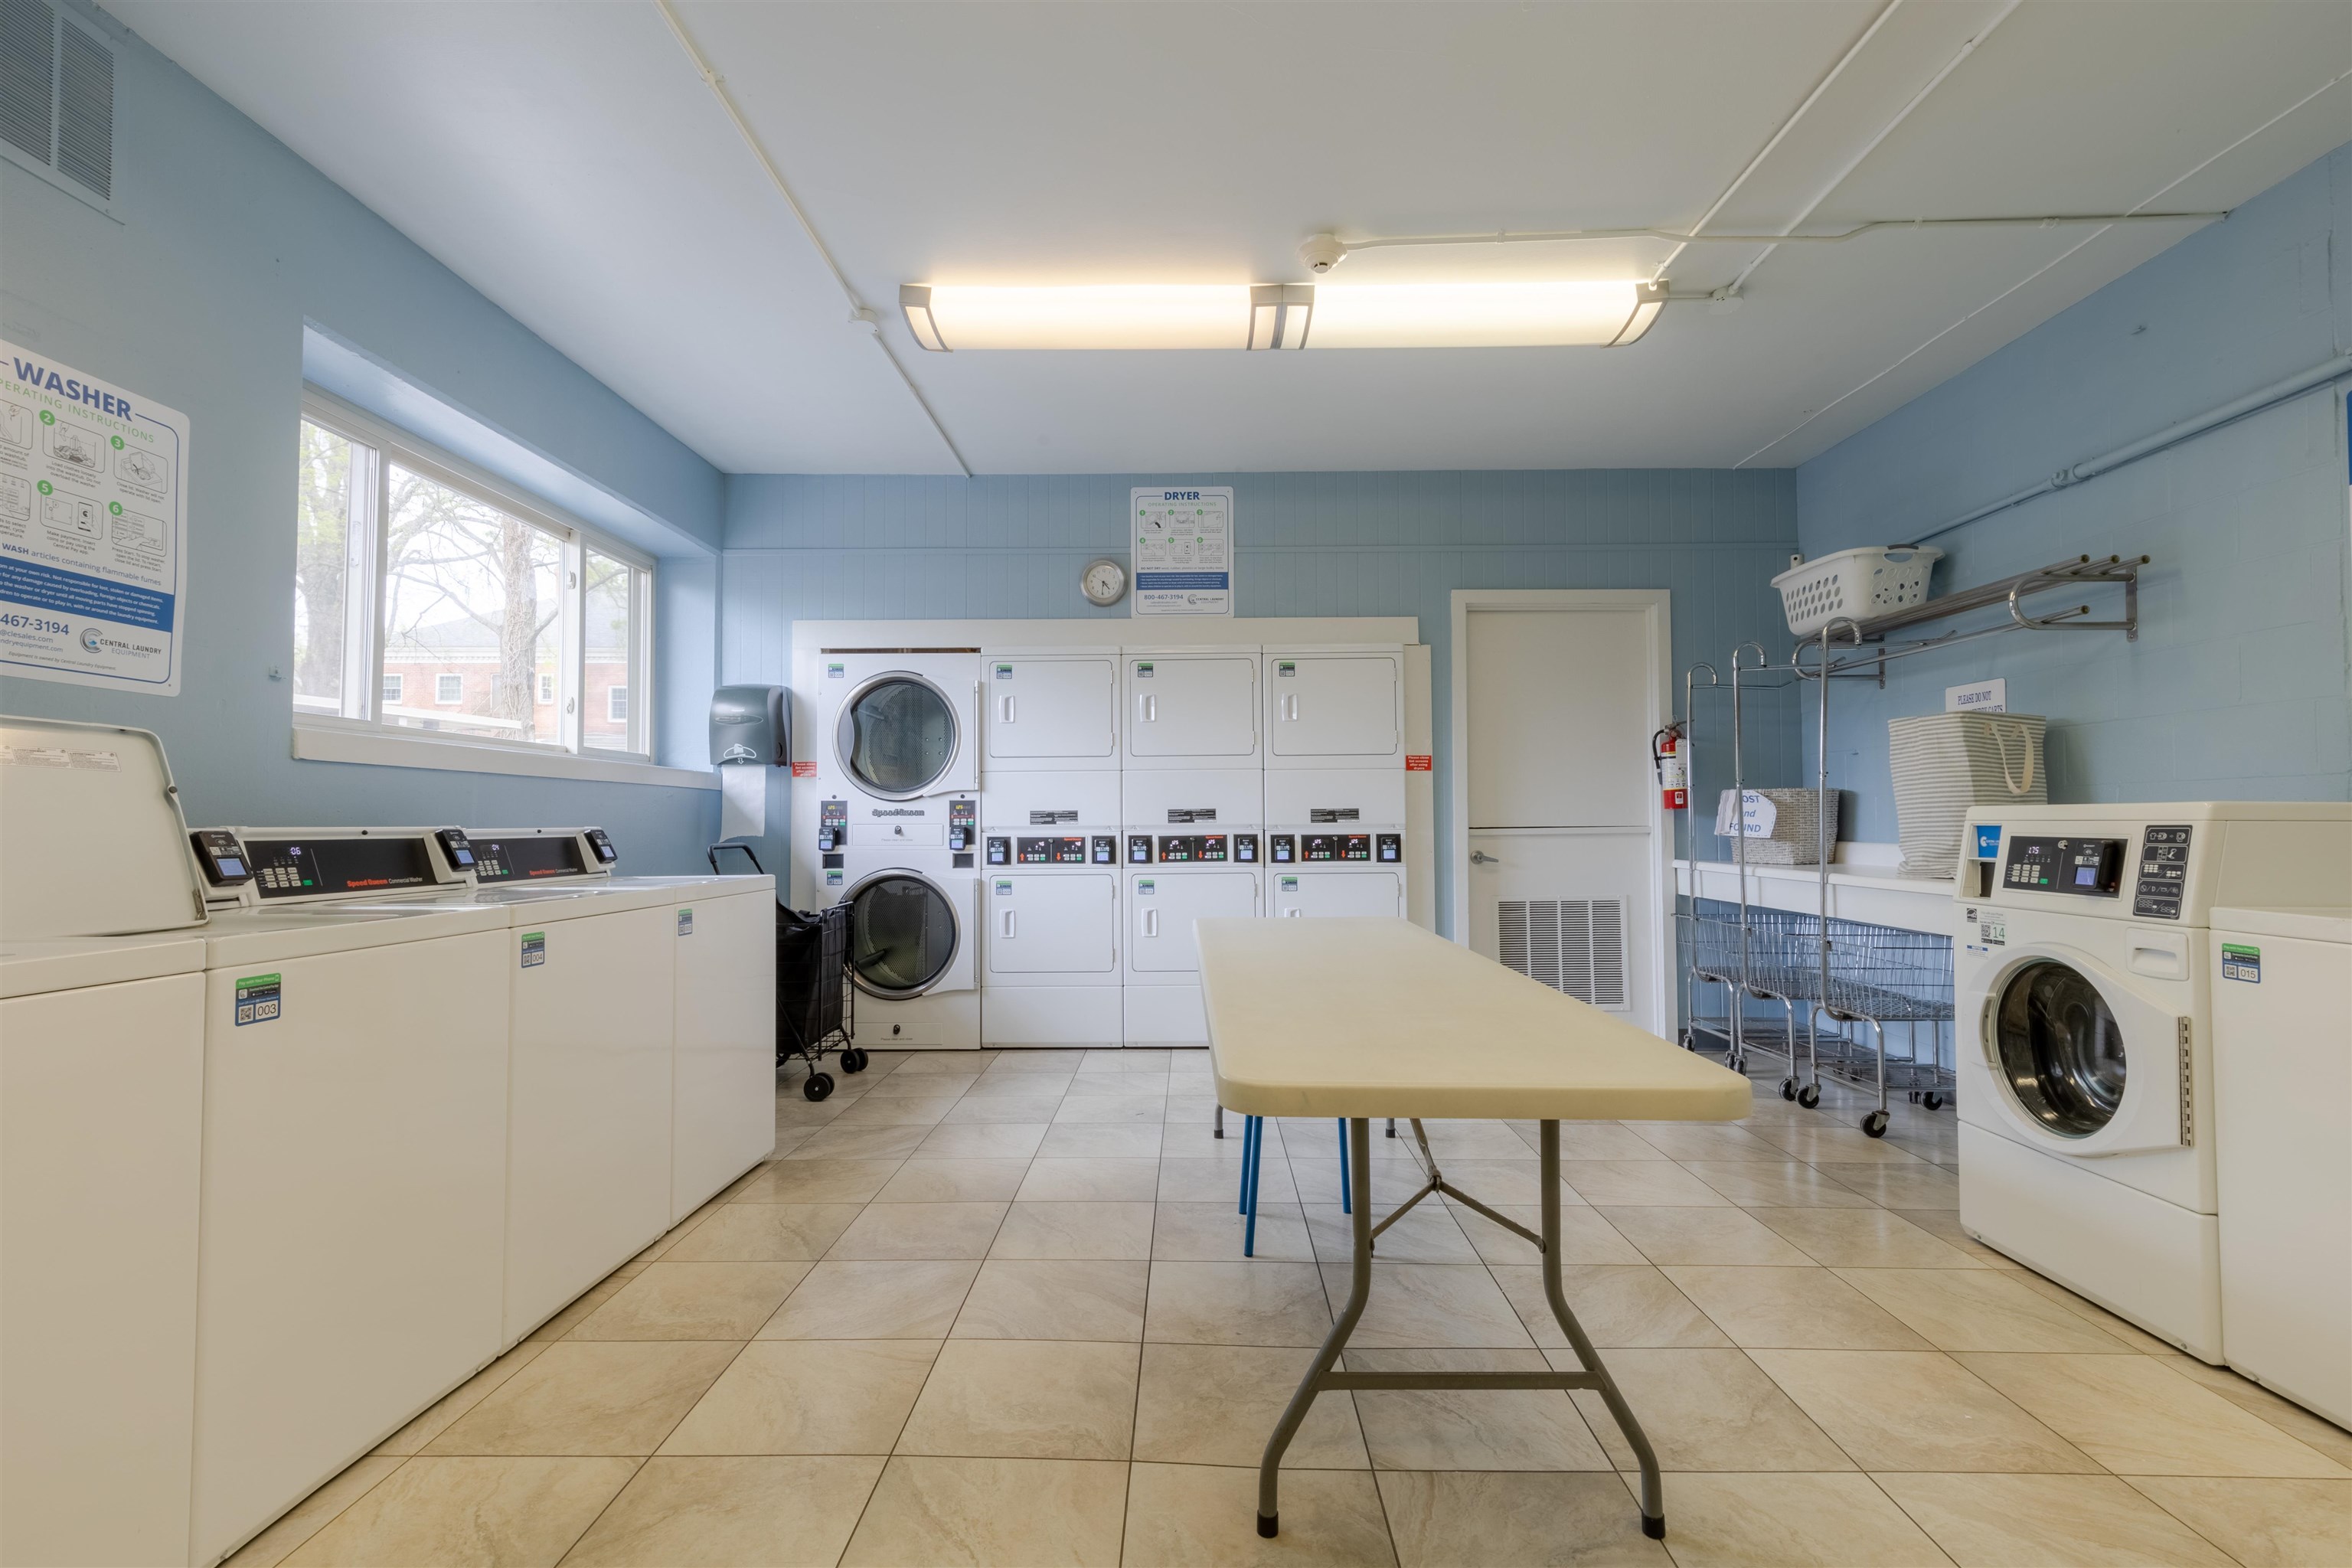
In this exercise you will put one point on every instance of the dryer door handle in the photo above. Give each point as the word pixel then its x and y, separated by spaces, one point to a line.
pixel 1005 922
pixel 1147 708
pixel 1004 709
pixel 1151 923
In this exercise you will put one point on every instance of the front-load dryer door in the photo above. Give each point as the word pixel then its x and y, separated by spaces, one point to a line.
pixel 2082 1064
pixel 908 935
pixel 898 735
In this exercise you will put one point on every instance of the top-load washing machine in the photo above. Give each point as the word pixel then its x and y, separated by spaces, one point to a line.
pixel 894 728
pixel 101 1108
pixel 723 1009
pixel 1049 710
pixel 2083 995
pixel 354 1155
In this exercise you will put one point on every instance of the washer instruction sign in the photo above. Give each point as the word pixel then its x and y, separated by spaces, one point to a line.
pixel 93 529
pixel 1183 551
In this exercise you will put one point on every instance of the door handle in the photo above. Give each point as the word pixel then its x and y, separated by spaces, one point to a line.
pixel 1480 858
pixel 1147 708
pixel 1151 923
pixel 1004 709
pixel 1007 922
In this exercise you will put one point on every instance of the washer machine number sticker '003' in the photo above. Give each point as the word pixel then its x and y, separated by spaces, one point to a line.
pixel 2241 964
pixel 258 1000
pixel 534 949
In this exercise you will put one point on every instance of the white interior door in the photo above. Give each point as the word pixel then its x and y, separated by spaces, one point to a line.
pixel 1190 706
pixel 1053 923
pixel 1061 708
pixel 1164 907
pixel 1342 706
pixel 1561 874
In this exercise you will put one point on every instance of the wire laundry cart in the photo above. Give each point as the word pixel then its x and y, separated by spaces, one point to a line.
pixel 1854 977
pixel 816 1004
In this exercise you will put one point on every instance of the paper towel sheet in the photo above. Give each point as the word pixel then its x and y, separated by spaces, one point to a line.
pixel 742 801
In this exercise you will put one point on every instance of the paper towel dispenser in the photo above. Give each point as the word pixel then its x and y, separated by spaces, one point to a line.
pixel 750 724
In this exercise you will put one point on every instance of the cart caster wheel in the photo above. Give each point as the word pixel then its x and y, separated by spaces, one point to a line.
pixel 1874 1125
pixel 1788 1088
pixel 1810 1096
pixel 819 1085
pixel 854 1060
pixel 1932 1100
pixel 1655 1529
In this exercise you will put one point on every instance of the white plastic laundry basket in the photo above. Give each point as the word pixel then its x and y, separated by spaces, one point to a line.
pixel 1855 583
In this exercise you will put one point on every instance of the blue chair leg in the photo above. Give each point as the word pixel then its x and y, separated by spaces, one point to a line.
pixel 1344 1203
pixel 1253 1145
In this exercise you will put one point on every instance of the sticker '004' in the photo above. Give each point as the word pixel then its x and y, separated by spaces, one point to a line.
pixel 534 949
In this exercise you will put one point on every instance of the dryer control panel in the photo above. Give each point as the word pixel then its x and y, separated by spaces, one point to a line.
pixel 2087 868
pixel 2163 873
pixel 1194 848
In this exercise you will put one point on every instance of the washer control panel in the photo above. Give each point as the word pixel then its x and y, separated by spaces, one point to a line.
pixel 2163 873
pixel 2086 868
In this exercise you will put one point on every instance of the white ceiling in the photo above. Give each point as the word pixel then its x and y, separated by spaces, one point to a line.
pixel 566 161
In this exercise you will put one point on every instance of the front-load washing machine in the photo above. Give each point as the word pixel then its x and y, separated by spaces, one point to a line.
pixel 1335 842
pixel 1191 850
pixel 1049 709
pixel 723 1021
pixel 2082 988
pixel 913 928
pixel 1049 910
pixel 354 1155
pixel 2282 1092
pixel 894 728
pixel 101 1109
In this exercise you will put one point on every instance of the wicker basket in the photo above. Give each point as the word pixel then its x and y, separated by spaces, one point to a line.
pixel 1795 838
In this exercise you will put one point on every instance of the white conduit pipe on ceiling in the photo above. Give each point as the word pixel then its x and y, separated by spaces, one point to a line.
pixel 2148 446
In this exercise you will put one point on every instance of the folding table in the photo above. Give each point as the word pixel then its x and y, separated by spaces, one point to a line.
pixel 1374 1018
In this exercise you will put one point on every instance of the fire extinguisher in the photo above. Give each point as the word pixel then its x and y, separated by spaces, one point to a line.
pixel 1673 777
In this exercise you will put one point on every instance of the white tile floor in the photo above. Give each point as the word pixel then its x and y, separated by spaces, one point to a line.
pixel 992 1309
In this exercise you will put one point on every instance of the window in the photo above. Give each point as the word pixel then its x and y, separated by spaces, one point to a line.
pixel 530 630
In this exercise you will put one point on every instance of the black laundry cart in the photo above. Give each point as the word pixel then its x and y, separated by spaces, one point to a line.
pixel 814 997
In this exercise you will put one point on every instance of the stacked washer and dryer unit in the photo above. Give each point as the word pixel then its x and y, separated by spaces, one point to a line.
pixel 2093 1124
pixel 1123 793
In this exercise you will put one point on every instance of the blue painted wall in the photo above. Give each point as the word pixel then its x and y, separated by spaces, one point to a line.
pixel 226 245
pixel 2237 687
pixel 836 548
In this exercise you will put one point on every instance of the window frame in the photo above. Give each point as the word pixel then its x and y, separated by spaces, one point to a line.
pixel 392 690
pixel 364 601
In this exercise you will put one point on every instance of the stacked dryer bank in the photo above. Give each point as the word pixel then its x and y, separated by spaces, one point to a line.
pixel 1124 792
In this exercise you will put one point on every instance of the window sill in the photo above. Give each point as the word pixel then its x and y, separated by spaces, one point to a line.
pixel 321 743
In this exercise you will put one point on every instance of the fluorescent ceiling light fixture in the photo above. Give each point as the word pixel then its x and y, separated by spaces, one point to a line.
pixel 1483 315
pixel 949 317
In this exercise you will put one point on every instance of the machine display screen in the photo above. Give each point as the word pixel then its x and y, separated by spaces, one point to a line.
pixel 524 859
pixel 287 868
pixel 2091 867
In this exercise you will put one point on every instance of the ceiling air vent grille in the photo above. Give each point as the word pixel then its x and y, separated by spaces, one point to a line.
pixel 86 111
pixel 1573 945
pixel 28 37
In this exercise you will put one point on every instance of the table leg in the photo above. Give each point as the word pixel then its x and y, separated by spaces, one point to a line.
pixel 1359 1289
pixel 1653 1507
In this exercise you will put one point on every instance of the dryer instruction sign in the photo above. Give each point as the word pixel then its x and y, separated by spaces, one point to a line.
pixel 1183 551
pixel 93 529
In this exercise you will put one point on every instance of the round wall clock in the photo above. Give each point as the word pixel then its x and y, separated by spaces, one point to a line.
pixel 1104 581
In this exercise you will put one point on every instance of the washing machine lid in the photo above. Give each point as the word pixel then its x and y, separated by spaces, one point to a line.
pixel 91 834
pixel 895 734
pixel 2309 922
pixel 2083 1063
pixel 71 963
pixel 904 933
pixel 239 939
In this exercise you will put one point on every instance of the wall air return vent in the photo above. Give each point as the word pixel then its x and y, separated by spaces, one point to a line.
pixel 1573 945
pixel 57 100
